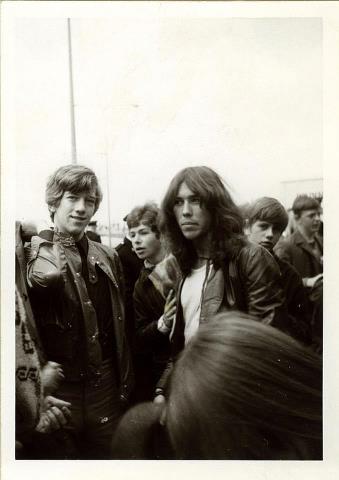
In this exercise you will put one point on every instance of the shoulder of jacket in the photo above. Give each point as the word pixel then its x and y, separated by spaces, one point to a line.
pixel 36 242
pixel 109 251
pixel 252 250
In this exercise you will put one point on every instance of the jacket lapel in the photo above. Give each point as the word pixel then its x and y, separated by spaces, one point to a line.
pixel 301 242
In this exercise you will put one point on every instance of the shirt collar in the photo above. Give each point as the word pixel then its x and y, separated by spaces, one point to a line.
pixel 148 264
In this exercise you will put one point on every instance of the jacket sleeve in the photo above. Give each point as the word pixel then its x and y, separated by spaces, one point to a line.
pixel 163 383
pixel 147 332
pixel 45 267
pixel 264 296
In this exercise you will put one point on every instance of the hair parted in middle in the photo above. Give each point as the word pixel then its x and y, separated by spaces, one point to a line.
pixel 270 210
pixel 227 225
pixel 147 214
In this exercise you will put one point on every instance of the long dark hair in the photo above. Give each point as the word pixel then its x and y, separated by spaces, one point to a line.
pixel 227 223
pixel 245 390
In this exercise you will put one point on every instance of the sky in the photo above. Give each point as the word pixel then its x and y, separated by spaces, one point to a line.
pixel 156 94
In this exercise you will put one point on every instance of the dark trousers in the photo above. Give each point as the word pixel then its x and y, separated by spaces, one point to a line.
pixel 96 410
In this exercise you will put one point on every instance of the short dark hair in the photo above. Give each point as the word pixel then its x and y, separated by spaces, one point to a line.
pixel 270 210
pixel 147 214
pixel 72 178
pixel 227 224
pixel 304 202
pixel 244 390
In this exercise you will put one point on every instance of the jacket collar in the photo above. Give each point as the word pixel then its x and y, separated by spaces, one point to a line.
pixel 300 240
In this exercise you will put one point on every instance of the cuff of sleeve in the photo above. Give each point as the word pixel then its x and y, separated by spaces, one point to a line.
pixel 161 325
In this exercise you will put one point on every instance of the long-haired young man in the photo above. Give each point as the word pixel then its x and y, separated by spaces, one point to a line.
pixel 221 269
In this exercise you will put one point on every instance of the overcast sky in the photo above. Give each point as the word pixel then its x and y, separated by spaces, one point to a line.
pixel 154 95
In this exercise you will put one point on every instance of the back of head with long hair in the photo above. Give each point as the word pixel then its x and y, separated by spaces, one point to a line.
pixel 244 390
pixel 226 229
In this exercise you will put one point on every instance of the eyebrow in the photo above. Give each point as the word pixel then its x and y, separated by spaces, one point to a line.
pixel 194 195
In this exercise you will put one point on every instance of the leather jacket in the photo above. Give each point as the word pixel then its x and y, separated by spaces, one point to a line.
pixel 54 276
pixel 248 283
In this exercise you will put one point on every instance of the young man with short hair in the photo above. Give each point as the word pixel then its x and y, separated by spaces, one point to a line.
pixel 221 270
pixel 152 324
pixel 267 219
pixel 304 250
pixel 77 292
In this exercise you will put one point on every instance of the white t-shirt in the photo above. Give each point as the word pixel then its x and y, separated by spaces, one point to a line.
pixel 191 300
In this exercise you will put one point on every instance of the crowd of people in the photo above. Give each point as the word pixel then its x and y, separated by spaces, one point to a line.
pixel 198 337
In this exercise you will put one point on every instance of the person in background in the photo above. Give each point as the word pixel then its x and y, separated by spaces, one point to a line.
pixel 241 390
pixel 304 250
pixel 267 219
pixel 153 313
pixel 131 266
pixel 221 269
pixel 91 231
pixel 77 290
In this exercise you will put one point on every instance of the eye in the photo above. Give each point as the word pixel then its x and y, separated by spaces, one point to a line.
pixel 178 201
pixel 263 226
pixel 196 200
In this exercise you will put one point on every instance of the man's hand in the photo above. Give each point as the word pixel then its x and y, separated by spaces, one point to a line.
pixel 170 309
pixel 56 414
pixel 51 377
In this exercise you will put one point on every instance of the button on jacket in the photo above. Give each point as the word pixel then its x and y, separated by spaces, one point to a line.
pixel 64 311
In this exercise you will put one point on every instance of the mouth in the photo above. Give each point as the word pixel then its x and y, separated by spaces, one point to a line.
pixel 189 224
pixel 266 244
pixel 139 251
pixel 78 219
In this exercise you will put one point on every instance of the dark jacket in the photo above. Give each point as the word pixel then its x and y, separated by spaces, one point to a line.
pixel 151 348
pixel 297 302
pixel 54 275
pixel 296 251
pixel 131 266
pixel 149 307
pixel 21 284
pixel 250 283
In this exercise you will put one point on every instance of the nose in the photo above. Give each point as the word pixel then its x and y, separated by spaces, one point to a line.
pixel 80 205
pixel 269 233
pixel 187 209
pixel 136 239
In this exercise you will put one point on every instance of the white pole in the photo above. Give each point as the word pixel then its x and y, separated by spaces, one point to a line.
pixel 71 94
pixel 108 202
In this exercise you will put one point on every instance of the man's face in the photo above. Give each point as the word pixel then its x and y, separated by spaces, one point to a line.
pixel 264 233
pixel 145 243
pixel 309 221
pixel 193 218
pixel 74 213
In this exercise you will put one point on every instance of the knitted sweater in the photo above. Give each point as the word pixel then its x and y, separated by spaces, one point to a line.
pixel 27 375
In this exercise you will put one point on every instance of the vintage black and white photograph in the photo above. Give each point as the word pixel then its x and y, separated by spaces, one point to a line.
pixel 164 182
